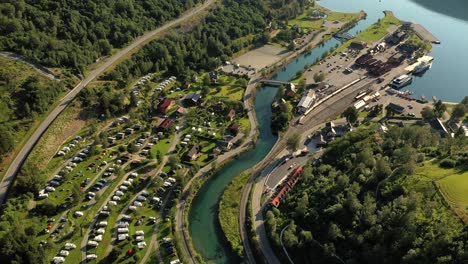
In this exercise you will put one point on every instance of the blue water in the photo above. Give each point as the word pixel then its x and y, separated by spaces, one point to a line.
pixel 447 20
pixel 204 227
pixel 445 81
pixel 203 222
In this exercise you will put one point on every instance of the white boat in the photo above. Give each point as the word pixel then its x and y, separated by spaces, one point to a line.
pixel 422 67
pixel 401 81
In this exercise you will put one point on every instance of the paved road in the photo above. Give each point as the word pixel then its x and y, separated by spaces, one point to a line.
pixel 14 167
pixel 329 109
pixel 248 105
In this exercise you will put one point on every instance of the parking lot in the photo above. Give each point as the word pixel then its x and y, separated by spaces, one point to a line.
pixel 334 69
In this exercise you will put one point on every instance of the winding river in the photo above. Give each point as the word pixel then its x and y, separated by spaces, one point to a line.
pixel 445 81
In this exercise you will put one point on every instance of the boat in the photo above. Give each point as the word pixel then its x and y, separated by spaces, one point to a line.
pixel 422 67
pixel 401 81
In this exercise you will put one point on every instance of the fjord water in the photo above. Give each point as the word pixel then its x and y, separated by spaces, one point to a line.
pixel 204 227
pixel 447 20
pixel 445 80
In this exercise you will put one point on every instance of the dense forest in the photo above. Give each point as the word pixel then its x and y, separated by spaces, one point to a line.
pixel 221 34
pixel 24 95
pixel 73 34
pixel 68 35
pixel 363 202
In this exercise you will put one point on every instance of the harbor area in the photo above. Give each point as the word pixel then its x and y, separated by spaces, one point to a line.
pixel 378 71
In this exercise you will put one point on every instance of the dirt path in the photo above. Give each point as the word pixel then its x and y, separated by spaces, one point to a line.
pixel 39 68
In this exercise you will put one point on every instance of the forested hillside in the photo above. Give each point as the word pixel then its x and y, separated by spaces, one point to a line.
pixel 73 34
pixel 365 204
pixel 24 95
pixel 211 43
pixel 227 29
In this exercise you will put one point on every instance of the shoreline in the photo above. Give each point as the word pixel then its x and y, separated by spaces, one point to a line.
pixel 316 40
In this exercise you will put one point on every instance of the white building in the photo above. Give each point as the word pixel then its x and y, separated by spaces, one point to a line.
pixel 306 101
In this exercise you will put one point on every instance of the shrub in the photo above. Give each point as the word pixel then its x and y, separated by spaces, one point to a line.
pixel 447 163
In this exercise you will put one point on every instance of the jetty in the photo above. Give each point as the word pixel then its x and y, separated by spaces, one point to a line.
pixel 426 59
pixel 424 34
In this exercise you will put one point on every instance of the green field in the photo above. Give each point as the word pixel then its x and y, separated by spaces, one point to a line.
pixel 373 33
pixel 454 188
pixel 306 22
pixel 453 184
pixel 378 30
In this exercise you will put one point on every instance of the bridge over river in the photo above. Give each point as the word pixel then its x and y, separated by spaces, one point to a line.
pixel 275 82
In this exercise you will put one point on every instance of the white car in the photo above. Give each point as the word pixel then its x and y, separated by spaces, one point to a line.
pixel 69 246
pixel 93 243
pixel 122 230
pixel 64 253
pixel 91 256
pixel 58 260
pixel 50 189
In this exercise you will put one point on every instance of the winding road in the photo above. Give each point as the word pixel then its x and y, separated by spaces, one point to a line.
pixel 14 167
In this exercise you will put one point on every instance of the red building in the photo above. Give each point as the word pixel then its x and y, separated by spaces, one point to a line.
pixel 291 180
pixel 165 105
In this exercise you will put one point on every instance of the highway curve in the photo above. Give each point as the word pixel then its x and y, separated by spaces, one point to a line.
pixel 14 167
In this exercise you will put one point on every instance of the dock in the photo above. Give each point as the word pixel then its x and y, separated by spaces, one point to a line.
pixel 424 34
pixel 426 58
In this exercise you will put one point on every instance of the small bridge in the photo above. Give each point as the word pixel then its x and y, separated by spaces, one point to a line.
pixel 344 36
pixel 275 82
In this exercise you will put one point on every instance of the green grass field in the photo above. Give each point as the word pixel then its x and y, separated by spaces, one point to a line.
pixel 306 22
pixel 453 184
pixel 373 33
pixel 454 188
pixel 378 30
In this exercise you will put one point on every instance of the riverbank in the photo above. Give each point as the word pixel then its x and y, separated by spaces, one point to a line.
pixel 228 212
pixel 266 119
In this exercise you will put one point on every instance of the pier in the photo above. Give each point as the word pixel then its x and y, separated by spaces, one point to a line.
pixel 425 58
pixel 424 33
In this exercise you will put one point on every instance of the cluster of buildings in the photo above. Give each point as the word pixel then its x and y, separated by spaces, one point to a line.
pixel 330 132
pixel 378 67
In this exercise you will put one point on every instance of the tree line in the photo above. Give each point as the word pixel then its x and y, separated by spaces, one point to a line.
pixel 208 45
pixel 364 204
pixel 73 34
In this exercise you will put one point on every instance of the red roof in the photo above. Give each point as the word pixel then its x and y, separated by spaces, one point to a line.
pixel 166 124
pixel 165 105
